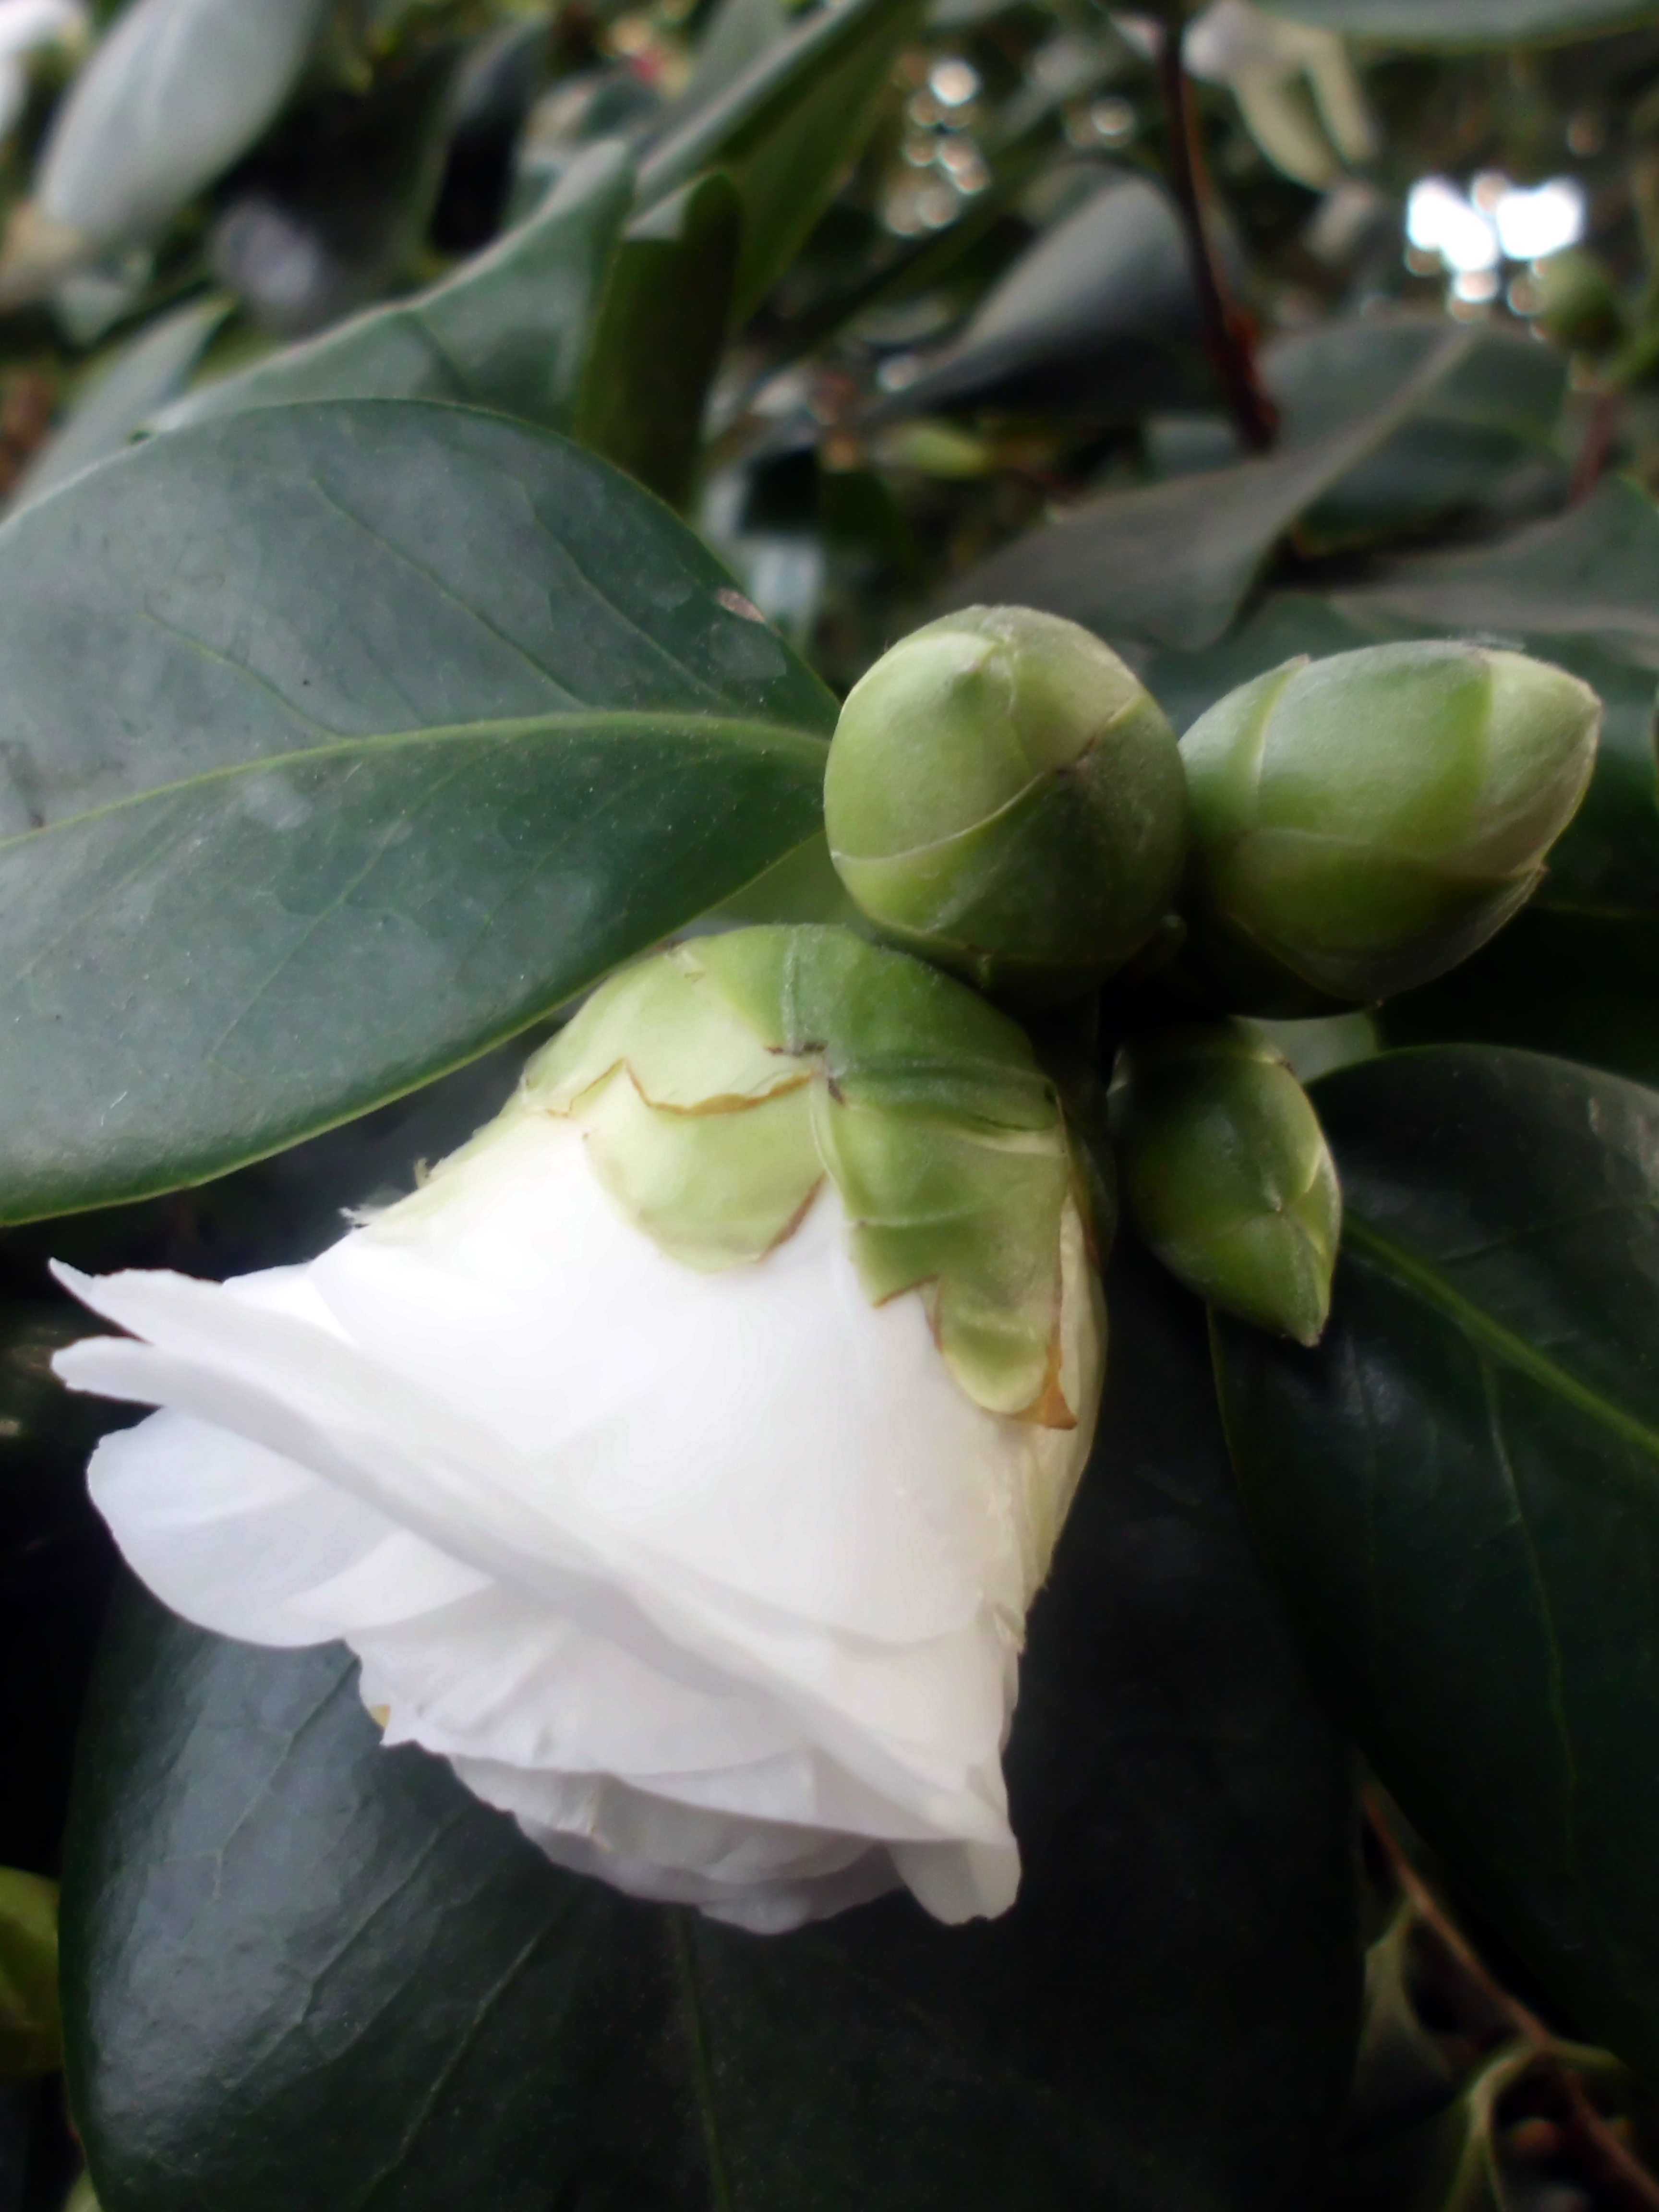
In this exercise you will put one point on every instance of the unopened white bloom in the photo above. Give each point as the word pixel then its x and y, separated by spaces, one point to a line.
pixel 708 1566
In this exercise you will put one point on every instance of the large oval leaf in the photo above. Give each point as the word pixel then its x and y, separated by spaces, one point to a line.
pixel 1460 1489
pixel 301 1970
pixel 357 737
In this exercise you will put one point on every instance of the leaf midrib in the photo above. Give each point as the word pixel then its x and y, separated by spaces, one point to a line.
pixel 741 732
pixel 1485 1330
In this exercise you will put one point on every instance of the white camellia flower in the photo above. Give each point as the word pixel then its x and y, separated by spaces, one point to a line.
pixel 681 1459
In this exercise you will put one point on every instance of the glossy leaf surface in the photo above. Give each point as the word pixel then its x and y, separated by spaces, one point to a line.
pixel 294 1960
pixel 342 742
pixel 1458 1491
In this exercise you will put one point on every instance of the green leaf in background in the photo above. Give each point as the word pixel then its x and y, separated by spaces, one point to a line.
pixel 785 130
pixel 1459 1492
pixel 332 212
pixel 737 33
pixel 31 2040
pixel 1097 316
pixel 659 334
pixel 509 329
pixel 366 734
pixel 1592 572
pixel 1171 563
pixel 175 92
pixel 121 394
pixel 1481 432
pixel 1465 22
pixel 300 1969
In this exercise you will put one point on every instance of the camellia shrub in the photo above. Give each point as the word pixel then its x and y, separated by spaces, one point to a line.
pixel 828 1106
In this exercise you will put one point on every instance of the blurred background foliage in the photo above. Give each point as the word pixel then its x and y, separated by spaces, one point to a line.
pixel 1350 331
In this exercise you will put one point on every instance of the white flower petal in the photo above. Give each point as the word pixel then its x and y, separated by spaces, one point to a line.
pixel 237 1539
pixel 723 1436
pixel 769 1880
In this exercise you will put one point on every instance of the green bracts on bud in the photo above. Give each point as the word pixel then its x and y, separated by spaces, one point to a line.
pixel 1361 824
pixel 30 2041
pixel 1005 796
pixel 719 1085
pixel 1227 1174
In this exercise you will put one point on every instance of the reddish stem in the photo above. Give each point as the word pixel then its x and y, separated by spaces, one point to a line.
pixel 1226 338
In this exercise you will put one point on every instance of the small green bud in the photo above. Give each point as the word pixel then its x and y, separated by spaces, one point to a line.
pixel 31 2042
pixel 1227 1174
pixel 1005 796
pixel 1363 823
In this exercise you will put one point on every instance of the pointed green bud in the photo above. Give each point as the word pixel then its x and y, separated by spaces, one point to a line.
pixel 1361 824
pixel 1227 1174
pixel 1005 796
pixel 31 2042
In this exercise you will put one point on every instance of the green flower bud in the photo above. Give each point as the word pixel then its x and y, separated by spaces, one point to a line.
pixel 1361 824
pixel 30 2039
pixel 1005 796
pixel 1227 1174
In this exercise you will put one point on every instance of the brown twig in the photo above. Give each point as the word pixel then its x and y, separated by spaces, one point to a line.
pixel 1601 434
pixel 1225 338
pixel 1609 2159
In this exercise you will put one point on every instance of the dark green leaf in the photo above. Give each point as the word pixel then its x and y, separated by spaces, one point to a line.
pixel 786 129
pixel 367 735
pixel 1097 316
pixel 1465 23
pixel 121 395
pixel 55 1561
pixel 300 1969
pixel 1592 572
pixel 1584 986
pixel 1460 1492
pixel 660 331
pixel 1479 437
pixel 738 32
pixel 509 329
pixel 1171 564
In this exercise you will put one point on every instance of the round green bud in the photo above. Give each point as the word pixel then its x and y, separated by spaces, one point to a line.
pixel 1227 1176
pixel 1005 796
pixel 1360 825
